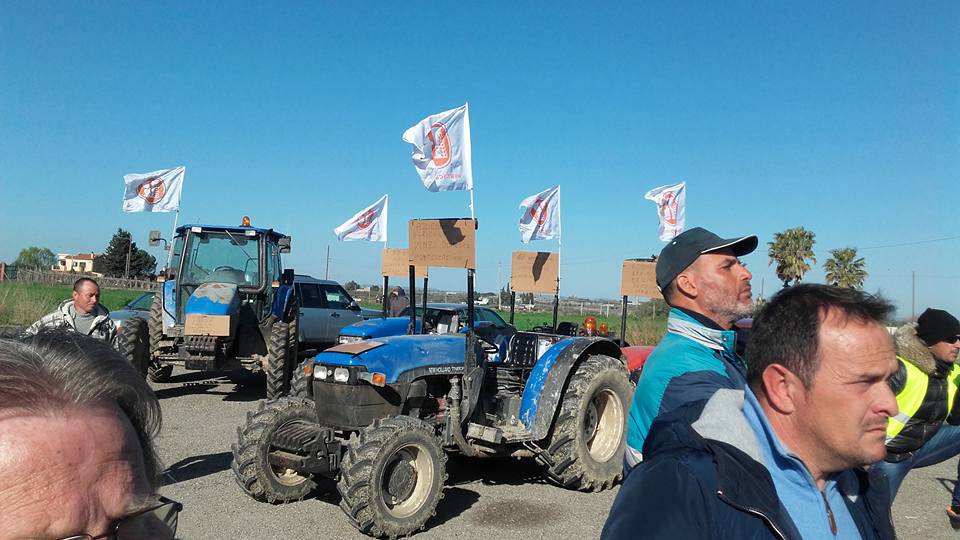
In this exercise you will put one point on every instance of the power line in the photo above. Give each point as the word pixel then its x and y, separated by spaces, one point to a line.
pixel 913 243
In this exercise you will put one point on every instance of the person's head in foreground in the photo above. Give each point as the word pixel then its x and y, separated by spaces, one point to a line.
pixel 76 451
pixel 819 361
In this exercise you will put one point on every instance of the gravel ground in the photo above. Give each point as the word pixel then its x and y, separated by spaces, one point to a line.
pixel 483 499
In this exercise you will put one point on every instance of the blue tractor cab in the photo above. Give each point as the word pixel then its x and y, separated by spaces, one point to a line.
pixel 380 415
pixel 226 303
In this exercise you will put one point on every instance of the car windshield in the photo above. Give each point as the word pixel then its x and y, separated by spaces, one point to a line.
pixel 221 257
pixel 142 303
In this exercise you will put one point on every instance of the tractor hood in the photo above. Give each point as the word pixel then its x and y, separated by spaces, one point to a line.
pixel 401 354
pixel 378 328
pixel 213 299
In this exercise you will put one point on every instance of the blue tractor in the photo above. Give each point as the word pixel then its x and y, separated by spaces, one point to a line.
pixel 226 303
pixel 381 415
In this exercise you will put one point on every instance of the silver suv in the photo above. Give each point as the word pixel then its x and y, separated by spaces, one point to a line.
pixel 325 308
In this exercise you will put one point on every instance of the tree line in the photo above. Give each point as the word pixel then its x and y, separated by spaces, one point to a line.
pixel 112 262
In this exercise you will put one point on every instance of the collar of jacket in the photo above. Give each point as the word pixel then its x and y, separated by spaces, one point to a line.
pixel 911 348
pixel 100 312
pixel 743 481
pixel 684 325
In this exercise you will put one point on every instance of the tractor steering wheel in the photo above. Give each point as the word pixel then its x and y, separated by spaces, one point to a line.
pixel 224 267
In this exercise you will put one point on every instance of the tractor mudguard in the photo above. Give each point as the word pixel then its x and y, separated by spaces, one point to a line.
pixel 545 386
pixel 281 300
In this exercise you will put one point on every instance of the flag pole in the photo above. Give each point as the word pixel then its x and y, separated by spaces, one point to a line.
pixel 471 204
pixel 176 221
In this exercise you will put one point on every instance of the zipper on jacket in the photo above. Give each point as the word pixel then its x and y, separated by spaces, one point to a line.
pixel 833 522
pixel 753 511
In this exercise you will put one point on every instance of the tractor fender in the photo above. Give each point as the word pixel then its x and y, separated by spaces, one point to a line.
pixel 546 384
pixel 281 302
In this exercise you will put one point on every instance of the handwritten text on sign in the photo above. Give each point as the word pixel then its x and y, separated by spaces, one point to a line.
pixel 445 243
pixel 396 262
pixel 639 278
pixel 534 271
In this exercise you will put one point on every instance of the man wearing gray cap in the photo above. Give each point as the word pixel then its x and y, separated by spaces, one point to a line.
pixel 708 289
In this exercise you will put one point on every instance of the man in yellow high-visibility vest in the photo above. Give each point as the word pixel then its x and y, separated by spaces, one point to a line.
pixel 926 430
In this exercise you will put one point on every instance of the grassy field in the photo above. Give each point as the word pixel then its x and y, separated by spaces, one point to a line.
pixel 640 331
pixel 23 303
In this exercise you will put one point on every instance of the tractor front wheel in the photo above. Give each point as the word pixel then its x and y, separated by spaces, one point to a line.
pixel 280 360
pixel 301 384
pixel 391 477
pixel 251 453
pixel 134 344
pixel 155 371
pixel 589 437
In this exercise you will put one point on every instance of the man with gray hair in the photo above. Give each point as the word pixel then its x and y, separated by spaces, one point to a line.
pixel 76 451
pixel 83 313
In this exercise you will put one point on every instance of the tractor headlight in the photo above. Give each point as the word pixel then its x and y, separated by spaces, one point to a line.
pixel 348 339
pixel 341 374
pixel 321 372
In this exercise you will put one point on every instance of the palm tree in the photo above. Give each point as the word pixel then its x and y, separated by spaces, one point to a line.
pixel 791 249
pixel 844 269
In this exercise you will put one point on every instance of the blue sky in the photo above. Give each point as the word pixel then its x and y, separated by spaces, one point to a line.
pixel 840 117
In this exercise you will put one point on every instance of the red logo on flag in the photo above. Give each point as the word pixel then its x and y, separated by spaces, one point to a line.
pixel 152 190
pixel 440 154
pixel 669 207
pixel 365 219
pixel 538 211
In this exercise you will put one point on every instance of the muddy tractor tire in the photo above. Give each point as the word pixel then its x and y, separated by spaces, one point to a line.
pixel 155 371
pixel 251 453
pixel 279 361
pixel 589 436
pixel 134 344
pixel 392 476
pixel 301 384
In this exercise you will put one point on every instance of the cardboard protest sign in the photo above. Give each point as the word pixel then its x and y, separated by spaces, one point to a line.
pixel 639 278
pixel 396 262
pixel 534 271
pixel 444 243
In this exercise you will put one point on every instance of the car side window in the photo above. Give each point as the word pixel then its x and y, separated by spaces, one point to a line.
pixel 310 295
pixel 336 297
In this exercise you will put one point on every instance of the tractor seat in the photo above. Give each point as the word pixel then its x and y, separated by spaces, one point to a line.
pixel 498 338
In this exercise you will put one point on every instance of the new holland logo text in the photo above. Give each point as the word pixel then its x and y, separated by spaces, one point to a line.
pixel 152 190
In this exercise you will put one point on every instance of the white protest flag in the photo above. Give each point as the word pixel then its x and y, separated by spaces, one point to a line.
pixel 441 150
pixel 157 191
pixel 368 224
pixel 541 216
pixel 671 204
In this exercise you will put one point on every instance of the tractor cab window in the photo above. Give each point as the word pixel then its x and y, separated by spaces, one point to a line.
pixel 221 257
pixel 177 253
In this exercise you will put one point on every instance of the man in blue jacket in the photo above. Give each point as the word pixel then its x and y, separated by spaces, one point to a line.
pixel 783 458
pixel 708 289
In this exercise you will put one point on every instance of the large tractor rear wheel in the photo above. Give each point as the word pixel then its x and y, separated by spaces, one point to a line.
pixel 589 436
pixel 156 371
pixel 391 477
pixel 134 343
pixel 251 453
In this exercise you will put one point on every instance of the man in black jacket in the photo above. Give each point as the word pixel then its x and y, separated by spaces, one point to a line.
pixel 782 458
pixel 926 388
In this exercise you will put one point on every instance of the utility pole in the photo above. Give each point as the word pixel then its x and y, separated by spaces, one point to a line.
pixel 326 274
pixel 126 271
pixel 499 286
pixel 913 294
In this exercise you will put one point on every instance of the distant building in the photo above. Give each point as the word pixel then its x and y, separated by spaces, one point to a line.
pixel 81 263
